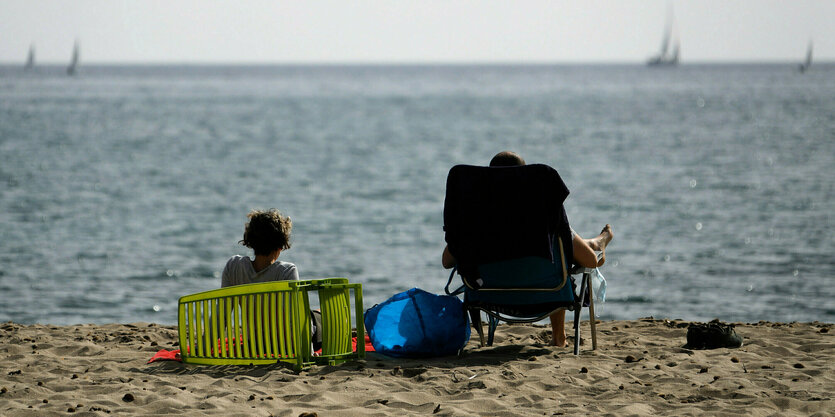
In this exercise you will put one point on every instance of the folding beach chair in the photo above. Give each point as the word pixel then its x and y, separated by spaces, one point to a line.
pixel 267 322
pixel 507 229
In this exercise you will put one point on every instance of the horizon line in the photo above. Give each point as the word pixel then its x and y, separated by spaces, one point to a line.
pixel 410 63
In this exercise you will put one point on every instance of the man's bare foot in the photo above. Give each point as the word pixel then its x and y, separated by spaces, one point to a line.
pixel 558 340
pixel 558 329
pixel 600 242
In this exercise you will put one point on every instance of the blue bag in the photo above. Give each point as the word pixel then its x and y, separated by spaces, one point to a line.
pixel 416 323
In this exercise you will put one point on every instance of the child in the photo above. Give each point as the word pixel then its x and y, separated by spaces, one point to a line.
pixel 267 234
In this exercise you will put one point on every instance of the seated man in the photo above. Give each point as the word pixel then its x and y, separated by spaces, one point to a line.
pixel 585 250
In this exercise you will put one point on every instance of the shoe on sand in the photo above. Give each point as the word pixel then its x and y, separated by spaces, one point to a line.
pixel 712 335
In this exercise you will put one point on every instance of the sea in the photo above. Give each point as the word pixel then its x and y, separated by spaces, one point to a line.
pixel 123 188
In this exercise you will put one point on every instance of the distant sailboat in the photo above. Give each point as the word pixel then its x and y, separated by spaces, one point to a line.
pixel 808 63
pixel 666 57
pixel 74 60
pixel 30 59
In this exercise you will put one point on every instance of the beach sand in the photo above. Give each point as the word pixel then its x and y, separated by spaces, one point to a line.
pixel 639 368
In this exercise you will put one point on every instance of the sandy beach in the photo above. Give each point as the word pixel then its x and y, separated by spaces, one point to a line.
pixel 639 368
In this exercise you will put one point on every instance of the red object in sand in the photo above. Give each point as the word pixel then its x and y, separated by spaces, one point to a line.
pixel 174 355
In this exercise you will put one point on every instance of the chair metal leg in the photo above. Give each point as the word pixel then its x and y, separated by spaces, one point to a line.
pixel 577 330
pixel 492 323
pixel 592 319
pixel 475 318
pixel 577 310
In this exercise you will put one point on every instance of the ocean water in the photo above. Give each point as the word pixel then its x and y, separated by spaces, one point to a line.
pixel 125 187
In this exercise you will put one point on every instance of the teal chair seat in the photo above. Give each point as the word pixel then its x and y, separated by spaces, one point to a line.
pixel 527 290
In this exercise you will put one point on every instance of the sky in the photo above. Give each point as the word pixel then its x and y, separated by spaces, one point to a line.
pixel 406 31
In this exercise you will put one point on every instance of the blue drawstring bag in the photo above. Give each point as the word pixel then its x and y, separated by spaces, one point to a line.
pixel 418 324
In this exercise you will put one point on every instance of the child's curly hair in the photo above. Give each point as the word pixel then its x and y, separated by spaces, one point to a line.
pixel 267 231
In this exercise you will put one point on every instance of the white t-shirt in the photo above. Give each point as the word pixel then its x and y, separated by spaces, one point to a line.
pixel 239 271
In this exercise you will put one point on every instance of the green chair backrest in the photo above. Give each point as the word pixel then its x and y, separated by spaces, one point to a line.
pixel 337 329
pixel 268 322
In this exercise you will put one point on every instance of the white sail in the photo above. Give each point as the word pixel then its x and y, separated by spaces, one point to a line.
pixel 674 55
pixel 808 62
pixel 665 44
pixel 666 57
pixel 74 60
pixel 30 59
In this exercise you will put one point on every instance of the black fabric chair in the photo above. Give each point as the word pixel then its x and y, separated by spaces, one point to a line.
pixel 507 229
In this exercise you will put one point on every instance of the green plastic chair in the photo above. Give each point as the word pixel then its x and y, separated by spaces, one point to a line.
pixel 256 324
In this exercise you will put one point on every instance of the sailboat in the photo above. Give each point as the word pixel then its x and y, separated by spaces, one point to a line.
pixel 666 57
pixel 808 63
pixel 30 59
pixel 74 60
